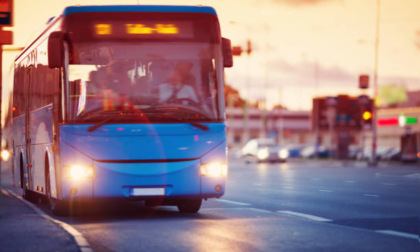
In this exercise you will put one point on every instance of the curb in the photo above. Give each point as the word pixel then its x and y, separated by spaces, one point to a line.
pixel 77 236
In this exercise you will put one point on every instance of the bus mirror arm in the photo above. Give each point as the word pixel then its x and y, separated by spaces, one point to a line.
pixel 56 49
pixel 227 53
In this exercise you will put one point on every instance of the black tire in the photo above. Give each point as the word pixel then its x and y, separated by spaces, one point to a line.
pixel 189 206
pixel 30 196
pixel 58 207
pixel 26 194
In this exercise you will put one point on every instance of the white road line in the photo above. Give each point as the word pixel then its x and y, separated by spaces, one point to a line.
pixel 328 191
pixel 414 175
pixel 259 210
pixel 288 187
pixel 349 181
pixel 397 233
pixel 315 178
pixel 5 193
pixel 258 184
pixel 78 237
pixel 371 195
pixel 306 216
pixel 233 202
pixel 389 184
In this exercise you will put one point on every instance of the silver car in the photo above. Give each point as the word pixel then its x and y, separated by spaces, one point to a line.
pixel 264 150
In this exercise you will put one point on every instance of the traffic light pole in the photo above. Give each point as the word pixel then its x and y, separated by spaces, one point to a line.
pixel 373 161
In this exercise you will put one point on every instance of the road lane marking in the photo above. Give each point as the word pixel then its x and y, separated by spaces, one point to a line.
pixel 414 175
pixel 371 195
pixel 258 210
pixel 5 193
pixel 288 187
pixel 77 236
pixel 389 184
pixel 306 216
pixel 258 184
pixel 349 181
pixel 328 191
pixel 315 178
pixel 397 233
pixel 233 202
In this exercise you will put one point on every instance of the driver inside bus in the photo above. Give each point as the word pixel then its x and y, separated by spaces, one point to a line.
pixel 179 88
pixel 103 85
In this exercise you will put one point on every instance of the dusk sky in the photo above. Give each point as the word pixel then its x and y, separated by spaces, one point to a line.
pixel 301 48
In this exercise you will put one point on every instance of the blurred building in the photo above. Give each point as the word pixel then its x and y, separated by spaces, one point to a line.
pixel 284 125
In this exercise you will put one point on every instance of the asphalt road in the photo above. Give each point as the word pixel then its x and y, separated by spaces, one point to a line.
pixel 294 206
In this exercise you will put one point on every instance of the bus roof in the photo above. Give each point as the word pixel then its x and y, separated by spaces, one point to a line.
pixel 138 8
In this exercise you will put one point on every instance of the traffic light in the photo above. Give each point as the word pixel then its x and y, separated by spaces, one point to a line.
pixel 367 115
pixel 364 81
pixel 236 51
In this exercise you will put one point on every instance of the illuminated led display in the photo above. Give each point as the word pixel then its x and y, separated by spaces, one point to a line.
pixel 103 29
pixel 401 121
pixel 156 29
pixel 387 121
pixel 144 29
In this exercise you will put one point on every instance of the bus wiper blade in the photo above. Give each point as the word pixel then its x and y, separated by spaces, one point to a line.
pixel 178 108
pixel 197 124
pixel 99 124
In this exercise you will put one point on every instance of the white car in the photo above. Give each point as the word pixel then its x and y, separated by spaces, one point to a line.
pixel 264 150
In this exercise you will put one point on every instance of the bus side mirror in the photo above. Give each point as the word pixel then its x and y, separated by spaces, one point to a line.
pixel 56 50
pixel 227 53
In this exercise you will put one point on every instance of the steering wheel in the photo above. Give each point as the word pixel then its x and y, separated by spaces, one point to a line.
pixel 185 101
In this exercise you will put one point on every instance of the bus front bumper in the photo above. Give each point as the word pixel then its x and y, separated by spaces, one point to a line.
pixel 146 181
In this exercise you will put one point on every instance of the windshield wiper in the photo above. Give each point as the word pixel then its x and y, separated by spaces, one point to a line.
pixel 196 124
pixel 180 109
pixel 99 124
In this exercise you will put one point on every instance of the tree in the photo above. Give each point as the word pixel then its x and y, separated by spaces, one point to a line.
pixel 233 98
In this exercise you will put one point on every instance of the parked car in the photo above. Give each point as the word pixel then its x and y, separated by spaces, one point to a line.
pixel 311 152
pixel 295 149
pixel 264 150
pixel 394 154
pixel 367 153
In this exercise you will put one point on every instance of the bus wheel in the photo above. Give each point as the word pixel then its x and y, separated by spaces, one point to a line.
pixel 30 196
pixel 189 206
pixel 58 207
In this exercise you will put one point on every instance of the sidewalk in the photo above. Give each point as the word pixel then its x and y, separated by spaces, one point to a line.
pixel 22 229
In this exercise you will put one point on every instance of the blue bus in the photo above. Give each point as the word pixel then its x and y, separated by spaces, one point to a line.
pixel 122 102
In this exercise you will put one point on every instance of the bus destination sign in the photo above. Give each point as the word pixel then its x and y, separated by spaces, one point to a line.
pixel 143 30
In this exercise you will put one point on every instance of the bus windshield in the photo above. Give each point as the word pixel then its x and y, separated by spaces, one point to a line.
pixel 144 82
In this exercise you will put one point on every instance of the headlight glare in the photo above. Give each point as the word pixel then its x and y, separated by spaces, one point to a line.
pixel 214 169
pixel 263 154
pixel 283 154
pixel 79 172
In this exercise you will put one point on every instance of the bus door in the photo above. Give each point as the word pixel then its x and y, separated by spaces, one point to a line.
pixel 28 149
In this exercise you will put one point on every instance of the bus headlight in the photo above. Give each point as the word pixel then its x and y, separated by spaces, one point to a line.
pixel 5 154
pixel 283 154
pixel 263 154
pixel 214 169
pixel 79 172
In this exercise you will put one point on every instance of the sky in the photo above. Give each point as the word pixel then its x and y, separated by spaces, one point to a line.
pixel 301 48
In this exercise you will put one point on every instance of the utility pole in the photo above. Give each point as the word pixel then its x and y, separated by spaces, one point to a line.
pixel 373 161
